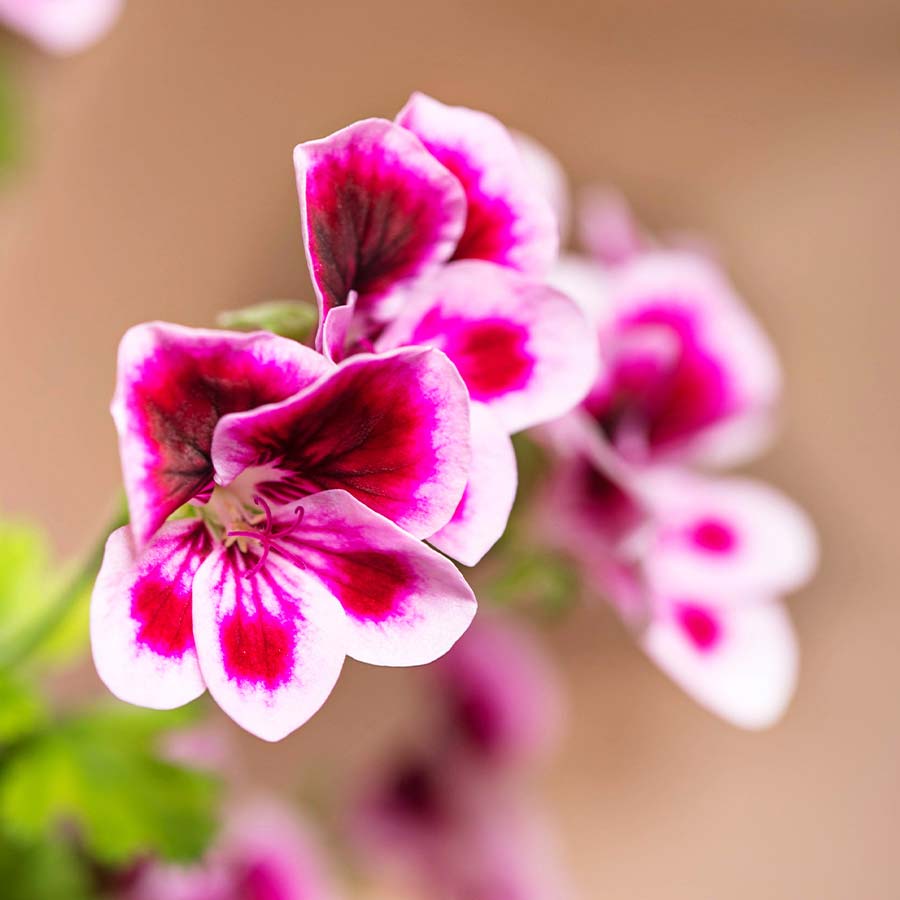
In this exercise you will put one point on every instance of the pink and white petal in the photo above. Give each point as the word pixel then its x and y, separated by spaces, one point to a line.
pixel 482 514
pixel 61 26
pixel 522 348
pixel 141 615
pixel 607 228
pixel 335 332
pixel 404 603
pixel 739 663
pixel 376 208
pixel 509 220
pixel 586 282
pixel 392 430
pixel 173 386
pixel 547 174
pixel 270 642
pixel 728 534
pixel 726 369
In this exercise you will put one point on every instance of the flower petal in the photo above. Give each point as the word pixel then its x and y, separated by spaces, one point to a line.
pixel 547 174
pixel 141 622
pixel 723 535
pixel 509 220
pixel 61 26
pixel 376 208
pixel 607 227
pixel 405 604
pixel 522 348
pixel 393 430
pixel 270 642
pixel 740 663
pixel 173 385
pixel 482 514
pixel 714 400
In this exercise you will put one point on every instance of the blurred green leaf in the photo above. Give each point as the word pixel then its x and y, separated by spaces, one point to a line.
pixel 48 870
pixel 9 122
pixel 26 588
pixel 293 319
pixel 101 773
pixel 21 709
pixel 542 580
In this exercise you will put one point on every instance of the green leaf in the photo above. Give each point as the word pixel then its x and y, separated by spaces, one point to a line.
pixel 48 870
pixel 101 773
pixel 26 587
pixel 9 122
pixel 293 319
pixel 543 580
pixel 21 710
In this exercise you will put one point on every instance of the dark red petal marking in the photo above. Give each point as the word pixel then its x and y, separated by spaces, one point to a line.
pixel 175 396
pixel 161 604
pixel 369 430
pixel 702 627
pixel 371 585
pixel 375 216
pixel 714 536
pixel 674 401
pixel 489 353
pixel 257 645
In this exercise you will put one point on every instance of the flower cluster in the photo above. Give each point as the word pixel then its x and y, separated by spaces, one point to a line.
pixel 312 477
pixel 449 817
pixel 695 564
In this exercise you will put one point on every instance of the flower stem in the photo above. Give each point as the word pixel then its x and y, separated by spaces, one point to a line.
pixel 40 630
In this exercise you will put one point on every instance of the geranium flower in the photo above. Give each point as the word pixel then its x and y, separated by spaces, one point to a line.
pixel 313 481
pixel 688 375
pixel 474 290
pixel 60 26
pixel 382 202
pixel 263 853
pixel 499 696
pixel 696 566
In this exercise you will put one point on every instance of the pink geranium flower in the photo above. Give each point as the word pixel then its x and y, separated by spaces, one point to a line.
pixel 60 26
pixel 689 376
pixel 428 231
pixel 452 818
pixel 263 853
pixel 500 697
pixel 313 482
pixel 696 566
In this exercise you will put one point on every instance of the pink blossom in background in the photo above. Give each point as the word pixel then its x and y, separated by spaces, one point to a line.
pixel 61 26
pixel 687 376
pixel 263 853
pixel 697 567
pixel 451 818
pixel 312 482
pixel 499 695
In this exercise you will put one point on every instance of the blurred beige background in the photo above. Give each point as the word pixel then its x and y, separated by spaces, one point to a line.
pixel 159 184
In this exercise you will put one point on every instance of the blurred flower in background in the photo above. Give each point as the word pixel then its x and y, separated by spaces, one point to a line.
pixel 60 26
pixel 264 852
pixel 455 817
pixel 696 565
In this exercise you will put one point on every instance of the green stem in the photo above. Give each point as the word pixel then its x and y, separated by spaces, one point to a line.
pixel 35 636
